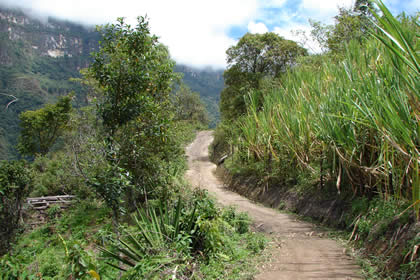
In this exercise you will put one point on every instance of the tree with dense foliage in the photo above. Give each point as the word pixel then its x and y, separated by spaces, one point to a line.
pixel 350 24
pixel 255 56
pixel 41 128
pixel 364 8
pixel 133 69
pixel 189 107
pixel 14 181
pixel 134 73
pixel 349 27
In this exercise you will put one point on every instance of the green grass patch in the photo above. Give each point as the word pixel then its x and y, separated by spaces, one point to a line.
pixel 197 240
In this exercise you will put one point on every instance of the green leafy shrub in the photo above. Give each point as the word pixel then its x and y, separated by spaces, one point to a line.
pixel 42 253
pixel 55 175
pixel 53 211
pixel 79 261
pixel 189 107
pixel 256 242
pixel 11 268
pixel 49 269
pixel 14 187
pixel 241 221
pixel 166 235
pixel 375 220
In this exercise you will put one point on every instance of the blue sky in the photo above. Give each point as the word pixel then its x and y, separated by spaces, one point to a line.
pixel 198 32
pixel 286 16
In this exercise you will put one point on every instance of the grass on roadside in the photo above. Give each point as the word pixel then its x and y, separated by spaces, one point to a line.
pixel 219 246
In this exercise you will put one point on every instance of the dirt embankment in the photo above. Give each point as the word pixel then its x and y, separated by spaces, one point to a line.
pixel 302 251
pixel 330 211
pixel 393 243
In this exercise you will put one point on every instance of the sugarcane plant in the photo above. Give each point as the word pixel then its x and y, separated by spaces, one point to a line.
pixel 354 121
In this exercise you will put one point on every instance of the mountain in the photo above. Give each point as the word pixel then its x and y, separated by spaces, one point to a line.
pixel 209 83
pixel 39 58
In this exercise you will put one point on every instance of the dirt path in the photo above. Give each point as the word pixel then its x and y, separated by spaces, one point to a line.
pixel 301 251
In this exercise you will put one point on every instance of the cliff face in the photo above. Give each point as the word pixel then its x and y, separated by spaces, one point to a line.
pixel 37 59
pixel 39 56
pixel 29 37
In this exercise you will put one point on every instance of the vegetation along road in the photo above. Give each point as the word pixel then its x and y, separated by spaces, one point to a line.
pixel 301 251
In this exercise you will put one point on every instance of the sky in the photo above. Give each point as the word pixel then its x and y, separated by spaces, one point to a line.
pixel 198 32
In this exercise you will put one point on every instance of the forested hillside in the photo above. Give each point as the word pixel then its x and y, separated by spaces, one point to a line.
pixel 208 83
pixel 37 61
pixel 40 59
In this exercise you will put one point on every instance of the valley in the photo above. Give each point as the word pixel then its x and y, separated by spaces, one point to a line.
pixel 118 162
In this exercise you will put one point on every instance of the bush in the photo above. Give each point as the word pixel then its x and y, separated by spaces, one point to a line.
pixel 11 268
pixel 240 221
pixel 54 211
pixel 41 253
pixel 166 235
pixel 55 175
pixel 375 220
pixel 14 181
pixel 220 145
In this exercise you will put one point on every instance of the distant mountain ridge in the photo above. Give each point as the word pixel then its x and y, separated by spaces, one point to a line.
pixel 209 84
pixel 38 58
pixel 50 39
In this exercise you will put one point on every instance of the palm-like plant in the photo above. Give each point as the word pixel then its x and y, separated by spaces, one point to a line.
pixel 155 239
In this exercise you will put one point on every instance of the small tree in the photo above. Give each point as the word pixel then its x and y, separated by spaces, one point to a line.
pixel 189 107
pixel 131 68
pixel 14 182
pixel 350 24
pixel 133 74
pixel 254 57
pixel 111 182
pixel 41 128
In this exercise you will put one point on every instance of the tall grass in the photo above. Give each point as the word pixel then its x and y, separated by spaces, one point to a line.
pixel 357 120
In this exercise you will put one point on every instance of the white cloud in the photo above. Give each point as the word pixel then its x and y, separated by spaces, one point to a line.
pixel 301 34
pixel 257 28
pixel 323 10
pixel 195 31
pixel 273 3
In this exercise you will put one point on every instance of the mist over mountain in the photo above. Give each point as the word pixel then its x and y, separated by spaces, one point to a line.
pixel 39 57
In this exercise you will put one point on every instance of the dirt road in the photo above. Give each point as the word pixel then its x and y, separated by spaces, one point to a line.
pixel 301 251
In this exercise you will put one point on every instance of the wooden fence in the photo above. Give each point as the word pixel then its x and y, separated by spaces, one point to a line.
pixel 42 203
